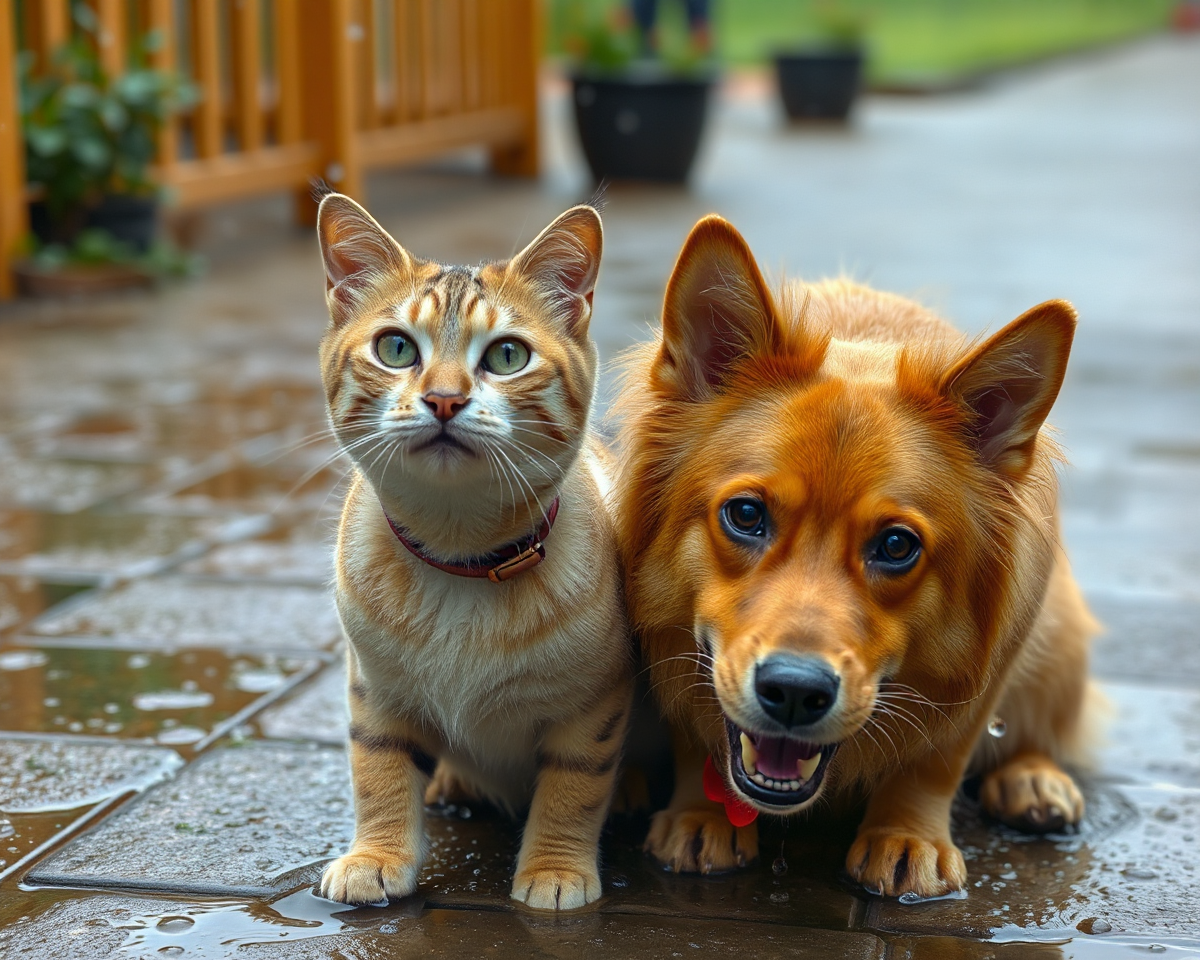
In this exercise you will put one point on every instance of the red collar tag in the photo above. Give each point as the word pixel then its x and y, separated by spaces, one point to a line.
pixel 740 813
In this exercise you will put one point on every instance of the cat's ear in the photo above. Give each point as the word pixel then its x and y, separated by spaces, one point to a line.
pixel 1009 382
pixel 717 310
pixel 357 251
pixel 563 260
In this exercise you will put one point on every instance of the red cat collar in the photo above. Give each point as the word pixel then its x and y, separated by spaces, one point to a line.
pixel 498 566
pixel 740 813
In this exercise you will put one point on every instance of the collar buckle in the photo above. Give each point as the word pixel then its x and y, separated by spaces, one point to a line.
pixel 525 560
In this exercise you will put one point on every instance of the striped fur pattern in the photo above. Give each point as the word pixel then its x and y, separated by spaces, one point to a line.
pixel 844 413
pixel 517 692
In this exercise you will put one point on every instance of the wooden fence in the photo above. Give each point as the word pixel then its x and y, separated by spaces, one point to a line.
pixel 292 89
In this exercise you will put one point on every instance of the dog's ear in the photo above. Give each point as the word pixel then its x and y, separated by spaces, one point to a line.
pixel 564 259
pixel 1009 383
pixel 717 310
pixel 357 251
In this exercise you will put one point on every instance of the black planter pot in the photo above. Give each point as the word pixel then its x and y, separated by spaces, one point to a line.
pixel 641 128
pixel 819 84
pixel 132 220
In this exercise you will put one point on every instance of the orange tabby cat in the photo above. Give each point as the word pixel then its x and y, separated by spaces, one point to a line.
pixel 462 395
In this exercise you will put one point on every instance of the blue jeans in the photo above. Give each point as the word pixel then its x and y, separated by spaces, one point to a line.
pixel 645 12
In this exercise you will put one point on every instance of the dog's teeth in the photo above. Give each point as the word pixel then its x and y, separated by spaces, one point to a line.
pixel 758 778
pixel 749 755
pixel 806 768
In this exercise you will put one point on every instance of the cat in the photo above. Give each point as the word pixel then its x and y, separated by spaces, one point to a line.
pixel 477 580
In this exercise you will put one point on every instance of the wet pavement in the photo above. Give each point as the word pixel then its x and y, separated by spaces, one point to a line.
pixel 171 712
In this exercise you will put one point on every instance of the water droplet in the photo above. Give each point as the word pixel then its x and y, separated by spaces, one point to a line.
pixel 171 951
pixel 1156 948
pixel 779 867
pixel 175 924
pixel 6 829
pixel 138 661
pixel 1094 925
pixel 181 735
pixel 1165 814
pixel 173 700
pixel 111 708
pixel 910 897
pixel 779 897
pixel 52 702
pixel 22 660
pixel 464 813
pixel 997 727
pixel 619 881
pixel 1139 873
pixel 258 681
pixel 75 726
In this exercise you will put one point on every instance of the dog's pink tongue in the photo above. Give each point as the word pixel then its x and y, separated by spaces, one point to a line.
pixel 779 756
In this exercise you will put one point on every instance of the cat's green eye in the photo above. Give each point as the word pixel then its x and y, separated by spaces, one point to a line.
pixel 505 356
pixel 396 350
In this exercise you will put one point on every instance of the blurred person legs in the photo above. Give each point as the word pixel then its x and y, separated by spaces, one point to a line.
pixel 645 13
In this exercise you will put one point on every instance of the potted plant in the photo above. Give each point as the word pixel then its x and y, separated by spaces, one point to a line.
pixel 820 78
pixel 89 142
pixel 640 113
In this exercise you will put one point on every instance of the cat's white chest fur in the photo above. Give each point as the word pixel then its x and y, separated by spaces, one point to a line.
pixel 483 667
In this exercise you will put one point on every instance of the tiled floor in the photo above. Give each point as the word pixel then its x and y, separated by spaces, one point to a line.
pixel 171 774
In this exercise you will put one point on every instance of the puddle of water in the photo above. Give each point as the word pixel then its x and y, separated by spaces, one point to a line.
pixel 24 598
pixel 93 544
pixel 302 482
pixel 22 833
pixel 215 929
pixel 300 553
pixel 175 698
pixel 171 612
pixel 66 485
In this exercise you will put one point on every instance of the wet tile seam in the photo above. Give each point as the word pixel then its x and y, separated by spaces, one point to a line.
pixel 247 712
pixel 327 653
pixel 67 833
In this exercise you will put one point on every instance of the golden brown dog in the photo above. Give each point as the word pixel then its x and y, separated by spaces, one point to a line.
pixel 838 519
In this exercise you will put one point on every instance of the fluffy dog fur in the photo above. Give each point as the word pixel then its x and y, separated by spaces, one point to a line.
pixel 846 415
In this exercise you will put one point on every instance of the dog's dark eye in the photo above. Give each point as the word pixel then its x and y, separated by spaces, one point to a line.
pixel 895 550
pixel 744 517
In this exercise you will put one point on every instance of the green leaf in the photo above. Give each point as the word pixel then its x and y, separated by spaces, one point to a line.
pixel 46 141
pixel 80 96
pixel 91 152
pixel 113 114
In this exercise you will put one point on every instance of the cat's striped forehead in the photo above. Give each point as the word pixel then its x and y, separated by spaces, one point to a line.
pixel 452 301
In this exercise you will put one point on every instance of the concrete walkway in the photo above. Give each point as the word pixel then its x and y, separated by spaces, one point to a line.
pixel 168 656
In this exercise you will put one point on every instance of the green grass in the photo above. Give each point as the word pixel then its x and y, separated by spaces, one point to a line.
pixel 910 39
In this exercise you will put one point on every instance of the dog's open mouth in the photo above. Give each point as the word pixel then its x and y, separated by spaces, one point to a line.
pixel 776 771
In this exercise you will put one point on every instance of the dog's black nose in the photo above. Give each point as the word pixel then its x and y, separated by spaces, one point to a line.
pixel 795 691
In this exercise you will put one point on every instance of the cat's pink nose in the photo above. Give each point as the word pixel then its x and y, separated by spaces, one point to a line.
pixel 443 405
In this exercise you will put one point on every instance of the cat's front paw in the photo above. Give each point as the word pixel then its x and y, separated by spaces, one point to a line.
pixel 892 861
pixel 556 889
pixel 446 788
pixel 700 840
pixel 365 877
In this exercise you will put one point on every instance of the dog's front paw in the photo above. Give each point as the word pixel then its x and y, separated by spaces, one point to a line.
pixel 556 889
pixel 1032 793
pixel 700 840
pixel 892 862
pixel 369 877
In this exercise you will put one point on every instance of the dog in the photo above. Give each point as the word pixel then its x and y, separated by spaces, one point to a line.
pixel 838 520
